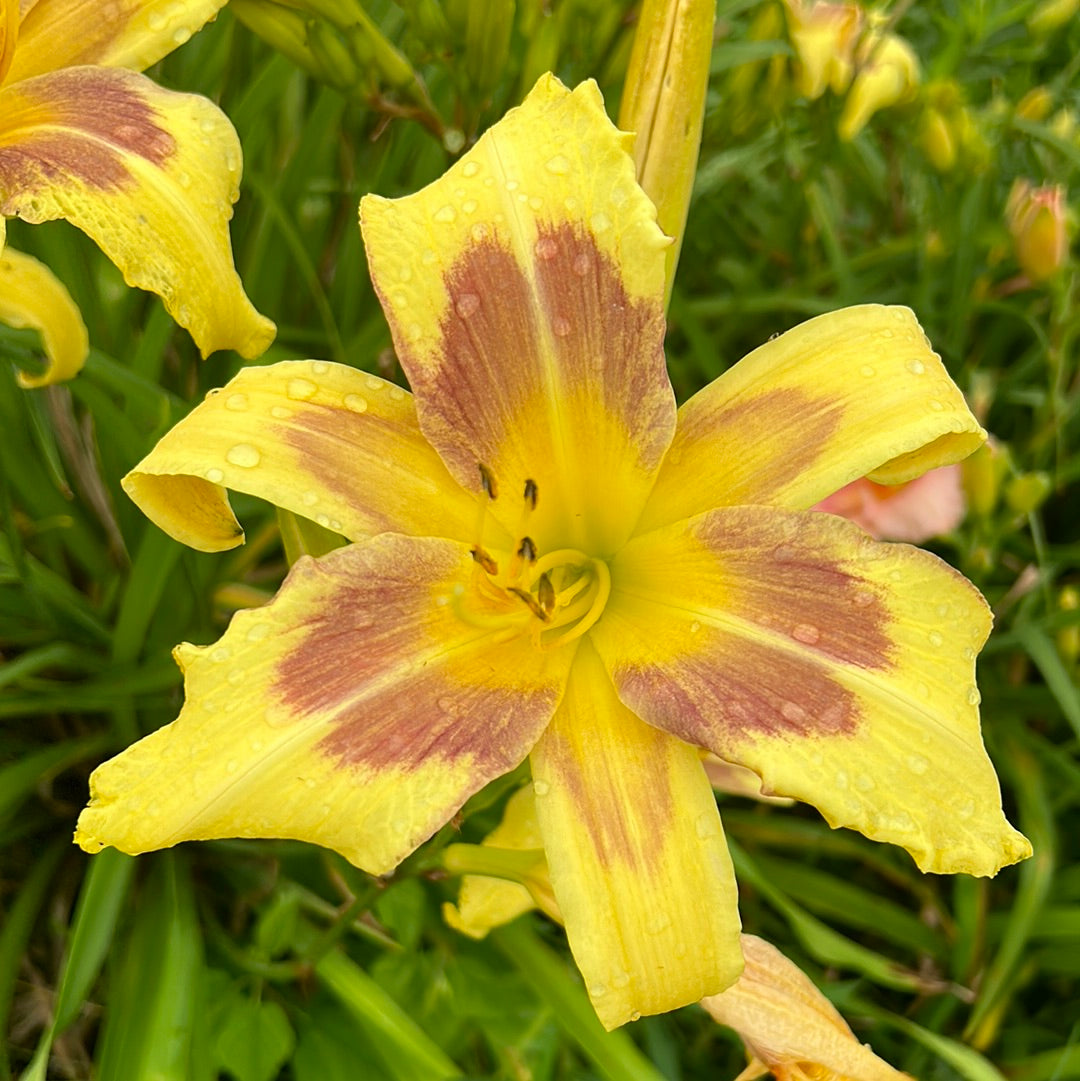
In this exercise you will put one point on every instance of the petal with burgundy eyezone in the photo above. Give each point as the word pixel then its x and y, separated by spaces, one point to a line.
pixel 356 711
pixel 119 34
pixel 851 393
pixel 32 296
pixel 150 175
pixel 789 1027
pixel 323 440
pixel 524 290
pixel 839 669
pixel 636 852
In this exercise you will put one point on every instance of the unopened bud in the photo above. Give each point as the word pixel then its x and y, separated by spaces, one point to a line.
pixel 887 74
pixel 1028 492
pixel 936 140
pixel 1036 220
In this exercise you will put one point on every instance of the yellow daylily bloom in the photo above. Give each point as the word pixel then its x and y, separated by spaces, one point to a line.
pixel 790 1028
pixel 149 174
pixel 887 74
pixel 550 561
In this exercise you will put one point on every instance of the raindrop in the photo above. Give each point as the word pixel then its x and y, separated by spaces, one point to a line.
pixel 535 202
pixel 841 778
pixel 620 980
pixel 935 405
pixel 793 712
pixel 446 214
pixel 600 222
pixel 806 633
pixel 966 809
pixel 320 367
pixel 466 304
pixel 397 394
pixel 885 333
pixel 469 206
pixel 301 390
pixel 512 185
pixel 243 454
pixel 559 165
pixel 280 412
pixel 635 1015
pixel 582 265
pixel 355 403
pixel 917 764
pixel 916 367
pixel 658 923
pixel 258 632
pixel 695 626
pixel 935 638
pixel 973 696
pixel 236 402
pixel 560 326
pixel 155 20
pixel 181 34
pixel 864 782
pixel 597 990
pixel 541 788
pixel 215 476
pixel 222 653
pixel 479 232
pixel 863 598
pixel 546 248
pixel 470 168
pixel 309 498
pixel 323 520
pixel 373 382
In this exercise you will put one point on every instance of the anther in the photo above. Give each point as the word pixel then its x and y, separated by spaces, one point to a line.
pixel 487 480
pixel 485 561
pixel 527 549
pixel 531 493
pixel 545 594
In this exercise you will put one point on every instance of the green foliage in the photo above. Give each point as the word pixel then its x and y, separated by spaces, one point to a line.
pixel 255 961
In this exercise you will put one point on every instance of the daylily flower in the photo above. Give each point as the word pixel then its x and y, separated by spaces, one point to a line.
pixel 925 507
pixel 149 174
pixel 790 1028
pixel 549 561
pixel 887 73
pixel 823 36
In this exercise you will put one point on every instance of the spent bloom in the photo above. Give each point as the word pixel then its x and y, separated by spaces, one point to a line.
pixel 151 175
pixel 790 1028
pixel 549 561
pixel 1038 222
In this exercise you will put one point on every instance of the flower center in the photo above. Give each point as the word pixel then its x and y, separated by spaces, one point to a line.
pixel 556 596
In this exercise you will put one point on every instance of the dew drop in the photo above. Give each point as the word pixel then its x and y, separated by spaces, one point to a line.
pixel 546 248
pixel 222 653
pixel 969 653
pixel 935 638
pixel 466 304
pixel 373 382
pixel 973 696
pixel 237 402
pixel 429 257
pixel 356 403
pixel 236 677
pixel 935 405
pixel 215 476
pixel 635 1015
pixel 310 783
pixel 916 367
pixel 323 520
pixel 806 633
pixel 541 788
pixel 470 168
pixel 707 825
pixel 695 626
pixel 793 712
pixel 181 34
pixel 863 598
pixel 231 766
pixel 559 165
pixel 446 214
pixel 335 525
pixel 560 326
pixel 918 764
pixel 597 990
pixel 479 232
pixel 867 370
pixel 258 632
pixel 535 202
pixel 300 390
pixel 864 782
pixel 243 454
pixel 280 412
pixel 841 778
pixel 309 498
pixel 966 809
pixel 400 299
pixel 885 333
pixel 512 185
pixel 469 206
pixel 155 20
pixel 320 367
pixel 600 223
pixel 397 394
pixel 620 980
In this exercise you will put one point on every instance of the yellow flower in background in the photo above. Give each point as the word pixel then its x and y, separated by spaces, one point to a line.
pixel 1037 221
pixel 149 174
pixel 790 1028
pixel 550 561
pixel 886 73
pixel 823 36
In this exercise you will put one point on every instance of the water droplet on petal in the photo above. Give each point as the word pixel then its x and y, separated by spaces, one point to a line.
pixel 301 390
pixel 918 764
pixel 560 326
pixel 535 202
pixel 864 782
pixel 258 632
pixel 446 214
pixel 356 403
pixel 541 788
pixel 793 712
pixel 320 367
pixel 236 402
pixel 862 598
pixel 935 638
pixel 546 248
pixel 470 168
pixel 559 165
pixel 806 633
pixel 397 394
pixel 243 454
pixel 600 223
pixel 156 21
pixel 841 778
pixel 215 476
pixel 222 653
pixel 916 367
pixel 973 696
pixel 885 333
pixel 181 34
pixel 280 412
pixel 597 990
pixel 323 520
pixel 620 980
pixel 707 825
pixel 469 206
pixel 466 304
pixel 695 626
pixel 309 498
pixel 373 382
pixel 935 405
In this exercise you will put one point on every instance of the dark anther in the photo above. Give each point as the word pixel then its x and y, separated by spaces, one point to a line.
pixel 531 493
pixel 527 549
pixel 487 479
pixel 485 561
pixel 532 602
pixel 545 594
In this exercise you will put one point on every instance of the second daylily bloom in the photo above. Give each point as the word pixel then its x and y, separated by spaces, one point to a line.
pixel 548 560
pixel 149 174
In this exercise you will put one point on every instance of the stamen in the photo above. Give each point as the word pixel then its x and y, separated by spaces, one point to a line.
pixel 485 560
pixel 487 481
pixel 527 549
pixel 531 493
pixel 532 602
pixel 545 594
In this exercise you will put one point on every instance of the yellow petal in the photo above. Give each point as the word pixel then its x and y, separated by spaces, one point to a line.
pixel 857 391
pixel 32 296
pixel 636 852
pixel 524 291
pixel 118 34
pixel 322 440
pixel 150 175
pixel 663 104
pixel 789 1026
pixel 839 669
pixel 356 711
pixel 9 34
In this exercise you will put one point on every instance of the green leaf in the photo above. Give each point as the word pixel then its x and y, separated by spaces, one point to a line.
pixel 255 1040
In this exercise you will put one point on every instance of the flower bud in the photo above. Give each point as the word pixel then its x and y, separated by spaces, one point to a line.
pixel 888 73
pixel 823 36
pixel 1036 220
